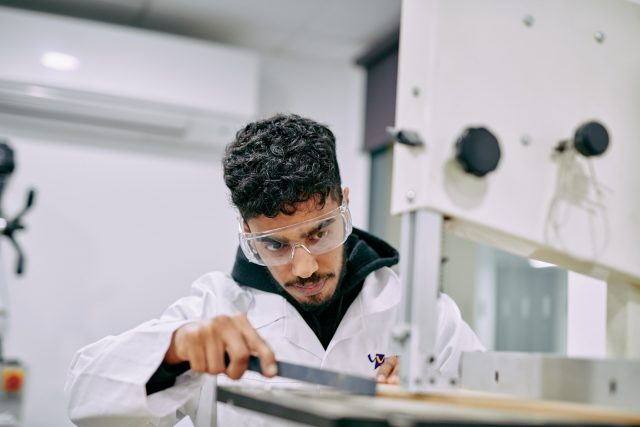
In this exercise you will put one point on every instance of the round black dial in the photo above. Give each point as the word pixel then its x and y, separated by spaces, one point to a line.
pixel 478 151
pixel 591 139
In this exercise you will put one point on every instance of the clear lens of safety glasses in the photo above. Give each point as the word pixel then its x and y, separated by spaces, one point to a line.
pixel 316 236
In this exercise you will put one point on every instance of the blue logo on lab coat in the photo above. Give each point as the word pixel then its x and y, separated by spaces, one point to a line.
pixel 377 360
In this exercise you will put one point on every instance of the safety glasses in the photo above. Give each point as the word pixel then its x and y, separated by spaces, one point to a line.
pixel 316 236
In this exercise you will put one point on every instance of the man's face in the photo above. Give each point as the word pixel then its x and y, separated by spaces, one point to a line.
pixel 311 279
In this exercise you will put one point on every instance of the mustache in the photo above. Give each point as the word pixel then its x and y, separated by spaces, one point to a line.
pixel 315 277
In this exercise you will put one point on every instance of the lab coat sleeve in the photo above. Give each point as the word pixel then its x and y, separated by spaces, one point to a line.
pixel 453 338
pixel 106 382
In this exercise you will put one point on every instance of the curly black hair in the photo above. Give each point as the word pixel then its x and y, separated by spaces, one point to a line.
pixel 276 163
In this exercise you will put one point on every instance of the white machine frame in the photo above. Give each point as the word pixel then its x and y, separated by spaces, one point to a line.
pixel 456 57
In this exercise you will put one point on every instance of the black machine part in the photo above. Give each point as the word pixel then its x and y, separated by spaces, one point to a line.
pixel 7 163
pixel 10 226
pixel 591 139
pixel 477 151
pixel 405 136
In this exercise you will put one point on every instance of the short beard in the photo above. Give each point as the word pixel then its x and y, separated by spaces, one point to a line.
pixel 315 304
pixel 318 306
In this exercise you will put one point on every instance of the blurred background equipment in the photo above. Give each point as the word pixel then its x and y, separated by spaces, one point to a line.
pixel 12 372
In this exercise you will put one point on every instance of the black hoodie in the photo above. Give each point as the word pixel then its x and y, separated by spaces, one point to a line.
pixel 364 254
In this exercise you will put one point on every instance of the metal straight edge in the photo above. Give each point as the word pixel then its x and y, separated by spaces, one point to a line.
pixel 350 383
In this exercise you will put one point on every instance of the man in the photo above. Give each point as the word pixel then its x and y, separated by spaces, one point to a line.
pixel 306 287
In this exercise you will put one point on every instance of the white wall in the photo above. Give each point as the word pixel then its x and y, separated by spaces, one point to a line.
pixel 119 231
pixel 115 236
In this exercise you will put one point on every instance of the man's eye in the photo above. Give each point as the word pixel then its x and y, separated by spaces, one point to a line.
pixel 274 246
pixel 315 237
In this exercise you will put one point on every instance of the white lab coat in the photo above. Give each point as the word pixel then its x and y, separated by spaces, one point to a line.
pixel 106 382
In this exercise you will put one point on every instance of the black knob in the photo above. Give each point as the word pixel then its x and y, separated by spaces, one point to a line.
pixel 478 151
pixel 7 163
pixel 591 139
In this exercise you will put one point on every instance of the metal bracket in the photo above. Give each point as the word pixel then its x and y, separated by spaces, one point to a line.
pixel 406 137
pixel 414 336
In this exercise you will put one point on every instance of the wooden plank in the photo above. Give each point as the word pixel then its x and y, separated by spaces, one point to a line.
pixel 556 411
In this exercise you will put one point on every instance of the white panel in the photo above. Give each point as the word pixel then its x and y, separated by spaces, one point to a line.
pixel 467 63
pixel 121 61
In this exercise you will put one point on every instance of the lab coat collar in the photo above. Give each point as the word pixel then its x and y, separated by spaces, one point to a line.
pixel 380 293
pixel 271 308
pixel 299 333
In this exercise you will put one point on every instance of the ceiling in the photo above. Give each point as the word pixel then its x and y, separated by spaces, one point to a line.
pixel 336 30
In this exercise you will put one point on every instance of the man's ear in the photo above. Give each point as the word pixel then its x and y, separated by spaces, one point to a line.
pixel 245 226
pixel 345 194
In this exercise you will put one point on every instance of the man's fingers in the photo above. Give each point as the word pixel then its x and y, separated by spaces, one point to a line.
pixel 197 358
pixel 267 358
pixel 238 351
pixel 215 355
pixel 258 347
pixel 383 372
pixel 393 379
pixel 205 345
pixel 395 371
pixel 388 368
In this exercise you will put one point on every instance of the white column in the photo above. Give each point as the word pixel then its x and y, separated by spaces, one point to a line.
pixel 586 316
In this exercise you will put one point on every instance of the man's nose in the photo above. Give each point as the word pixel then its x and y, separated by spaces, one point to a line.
pixel 303 263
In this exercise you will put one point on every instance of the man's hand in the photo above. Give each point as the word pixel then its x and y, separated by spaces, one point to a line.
pixel 204 344
pixel 389 371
